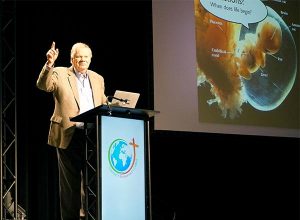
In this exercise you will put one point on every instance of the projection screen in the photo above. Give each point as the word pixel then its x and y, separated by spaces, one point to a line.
pixel 227 66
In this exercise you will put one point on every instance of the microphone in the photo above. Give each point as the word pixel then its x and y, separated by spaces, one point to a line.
pixel 110 98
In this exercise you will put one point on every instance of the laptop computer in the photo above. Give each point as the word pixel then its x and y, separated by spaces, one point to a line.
pixel 125 99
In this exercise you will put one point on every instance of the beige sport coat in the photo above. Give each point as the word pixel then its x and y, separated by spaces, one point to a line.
pixel 61 81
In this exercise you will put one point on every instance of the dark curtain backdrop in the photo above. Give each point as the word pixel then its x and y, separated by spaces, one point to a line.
pixel 194 175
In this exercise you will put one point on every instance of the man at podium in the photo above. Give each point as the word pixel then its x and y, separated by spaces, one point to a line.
pixel 75 89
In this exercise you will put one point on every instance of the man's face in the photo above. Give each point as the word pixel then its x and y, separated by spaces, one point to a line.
pixel 82 59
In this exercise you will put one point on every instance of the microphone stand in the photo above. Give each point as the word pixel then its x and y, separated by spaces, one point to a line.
pixel 109 100
pixel 119 99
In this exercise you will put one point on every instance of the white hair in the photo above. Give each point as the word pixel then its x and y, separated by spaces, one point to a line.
pixel 79 45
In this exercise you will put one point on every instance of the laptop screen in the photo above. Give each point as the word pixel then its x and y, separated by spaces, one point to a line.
pixel 130 99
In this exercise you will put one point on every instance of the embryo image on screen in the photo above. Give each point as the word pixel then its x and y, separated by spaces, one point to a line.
pixel 247 62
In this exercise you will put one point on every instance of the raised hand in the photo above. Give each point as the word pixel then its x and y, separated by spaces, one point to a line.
pixel 52 55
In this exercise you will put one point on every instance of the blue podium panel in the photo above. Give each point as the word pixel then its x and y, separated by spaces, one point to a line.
pixel 122 179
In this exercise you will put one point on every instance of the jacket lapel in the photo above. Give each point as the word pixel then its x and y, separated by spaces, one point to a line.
pixel 96 90
pixel 73 84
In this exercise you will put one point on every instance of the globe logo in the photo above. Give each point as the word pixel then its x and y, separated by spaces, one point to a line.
pixel 122 156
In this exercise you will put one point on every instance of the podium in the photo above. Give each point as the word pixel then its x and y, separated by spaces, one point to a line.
pixel 117 168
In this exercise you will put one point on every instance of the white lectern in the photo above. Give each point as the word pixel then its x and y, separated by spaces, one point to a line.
pixel 122 163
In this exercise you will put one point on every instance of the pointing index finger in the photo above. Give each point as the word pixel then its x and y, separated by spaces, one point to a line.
pixel 53 45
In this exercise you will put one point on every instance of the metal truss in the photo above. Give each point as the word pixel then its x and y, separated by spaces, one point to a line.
pixel 90 174
pixel 8 116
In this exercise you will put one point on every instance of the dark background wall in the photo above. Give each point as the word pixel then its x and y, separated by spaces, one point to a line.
pixel 194 175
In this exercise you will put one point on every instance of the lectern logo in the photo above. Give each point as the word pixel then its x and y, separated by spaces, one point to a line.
pixel 122 156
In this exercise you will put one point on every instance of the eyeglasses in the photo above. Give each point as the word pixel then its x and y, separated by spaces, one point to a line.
pixel 81 57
